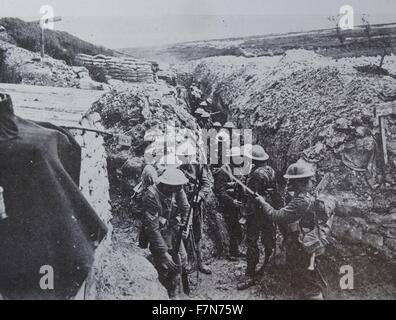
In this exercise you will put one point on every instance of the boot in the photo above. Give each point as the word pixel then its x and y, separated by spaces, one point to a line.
pixel 201 266
pixel 237 254
pixel 316 297
pixel 204 269
pixel 248 282
pixel 172 294
pixel 231 258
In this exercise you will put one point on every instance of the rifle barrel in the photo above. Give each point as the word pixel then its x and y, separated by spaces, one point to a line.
pixel 245 187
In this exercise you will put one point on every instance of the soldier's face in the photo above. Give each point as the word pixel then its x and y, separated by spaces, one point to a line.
pixel 311 183
pixel 185 159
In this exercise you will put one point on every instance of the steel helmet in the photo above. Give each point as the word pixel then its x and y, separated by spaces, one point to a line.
pixel 203 104
pixel 234 152
pixel 246 149
pixel 186 148
pixel 152 134
pixel 299 170
pixel 222 136
pixel 169 160
pixel 229 125
pixel 173 177
pixel 199 111
pixel 205 115
pixel 217 125
pixel 258 153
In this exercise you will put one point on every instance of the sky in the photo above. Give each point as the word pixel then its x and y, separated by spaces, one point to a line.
pixel 128 23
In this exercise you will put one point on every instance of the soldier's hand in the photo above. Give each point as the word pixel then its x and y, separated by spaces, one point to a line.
pixel 237 203
pixel 261 200
pixel 199 199
pixel 185 234
pixel 168 264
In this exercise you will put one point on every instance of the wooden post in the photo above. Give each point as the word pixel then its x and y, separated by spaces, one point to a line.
pixel 42 43
pixel 382 124
pixel 381 111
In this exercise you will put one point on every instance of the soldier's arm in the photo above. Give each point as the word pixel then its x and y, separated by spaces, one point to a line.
pixel 263 179
pixel 292 212
pixel 205 185
pixel 276 197
pixel 221 188
pixel 182 204
pixel 152 226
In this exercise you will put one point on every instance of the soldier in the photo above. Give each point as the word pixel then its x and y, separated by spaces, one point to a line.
pixel 230 196
pixel 217 125
pixel 187 153
pixel 204 105
pixel 222 143
pixel 165 209
pixel 205 122
pixel 298 215
pixel 229 126
pixel 195 95
pixel 262 181
pixel 198 112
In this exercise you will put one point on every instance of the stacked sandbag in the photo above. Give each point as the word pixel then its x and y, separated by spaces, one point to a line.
pixel 94 182
pixel 120 269
pixel 121 68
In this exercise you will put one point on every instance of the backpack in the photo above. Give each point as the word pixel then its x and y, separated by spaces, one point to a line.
pixel 315 240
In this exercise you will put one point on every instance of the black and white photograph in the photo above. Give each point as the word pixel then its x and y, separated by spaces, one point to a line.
pixel 180 151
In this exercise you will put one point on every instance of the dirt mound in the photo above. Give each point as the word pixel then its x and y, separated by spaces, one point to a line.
pixel 303 105
pixel 123 273
pixel 18 65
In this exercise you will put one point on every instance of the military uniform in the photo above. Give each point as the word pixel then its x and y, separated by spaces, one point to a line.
pixel 191 172
pixel 205 123
pixel 298 213
pixel 195 95
pixel 161 218
pixel 227 191
pixel 261 181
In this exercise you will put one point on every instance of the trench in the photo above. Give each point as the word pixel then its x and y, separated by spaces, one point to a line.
pixel 373 273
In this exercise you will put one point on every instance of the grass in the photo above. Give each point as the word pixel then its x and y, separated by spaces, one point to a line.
pixel 58 44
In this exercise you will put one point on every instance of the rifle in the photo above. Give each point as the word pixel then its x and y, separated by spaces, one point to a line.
pixel 319 188
pixel 248 191
pixel 186 227
pixel 137 189
pixel 244 187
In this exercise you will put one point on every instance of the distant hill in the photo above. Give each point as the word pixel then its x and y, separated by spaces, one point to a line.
pixel 361 41
pixel 58 44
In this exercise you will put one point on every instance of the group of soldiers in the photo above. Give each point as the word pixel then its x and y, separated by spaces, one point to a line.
pixel 175 190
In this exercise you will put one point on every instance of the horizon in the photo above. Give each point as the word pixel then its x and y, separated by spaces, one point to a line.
pixel 154 31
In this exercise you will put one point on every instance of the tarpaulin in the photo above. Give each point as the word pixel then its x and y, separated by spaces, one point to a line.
pixel 49 223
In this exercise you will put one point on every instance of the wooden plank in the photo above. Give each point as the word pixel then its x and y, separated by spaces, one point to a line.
pixel 382 123
pixel 60 106
pixel 385 109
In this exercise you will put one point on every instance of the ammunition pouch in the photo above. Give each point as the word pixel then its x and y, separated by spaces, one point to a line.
pixel 143 239
pixel 163 223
